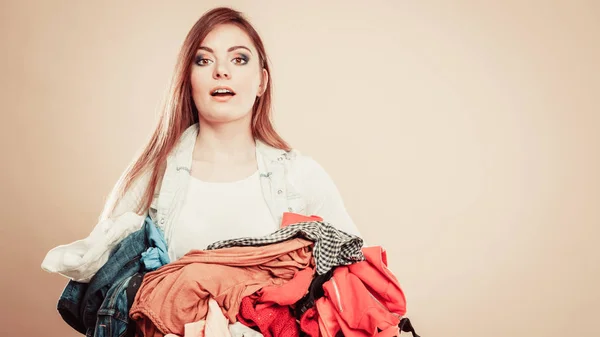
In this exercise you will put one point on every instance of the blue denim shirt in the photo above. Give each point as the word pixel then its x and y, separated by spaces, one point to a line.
pixel 80 302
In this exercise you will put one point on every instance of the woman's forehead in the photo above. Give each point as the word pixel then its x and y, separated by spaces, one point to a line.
pixel 225 36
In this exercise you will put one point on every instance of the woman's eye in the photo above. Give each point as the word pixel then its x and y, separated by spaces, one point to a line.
pixel 240 60
pixel 203 61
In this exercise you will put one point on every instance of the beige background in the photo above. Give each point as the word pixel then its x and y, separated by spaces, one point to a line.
pixel 462 134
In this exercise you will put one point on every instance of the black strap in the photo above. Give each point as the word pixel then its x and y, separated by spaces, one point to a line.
pixel 406 326
pixel 315 291
pixel 132 288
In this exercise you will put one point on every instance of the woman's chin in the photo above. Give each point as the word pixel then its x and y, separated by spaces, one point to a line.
pixel 224 116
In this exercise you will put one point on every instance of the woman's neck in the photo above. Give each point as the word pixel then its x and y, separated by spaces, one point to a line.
pixel 225 143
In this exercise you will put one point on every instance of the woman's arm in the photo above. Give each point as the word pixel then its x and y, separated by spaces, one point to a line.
pixel 322 195
pixel 80 260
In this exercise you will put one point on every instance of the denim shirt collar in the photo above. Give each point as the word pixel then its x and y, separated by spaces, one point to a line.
pixel 182 153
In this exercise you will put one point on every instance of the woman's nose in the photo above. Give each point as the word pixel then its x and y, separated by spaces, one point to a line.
pixel 221 72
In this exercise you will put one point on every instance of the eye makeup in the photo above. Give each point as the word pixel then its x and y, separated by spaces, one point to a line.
pixel 200 60
pixel 243 57
pixel 239 59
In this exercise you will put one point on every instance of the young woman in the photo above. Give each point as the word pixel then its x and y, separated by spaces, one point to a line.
pixel 214 168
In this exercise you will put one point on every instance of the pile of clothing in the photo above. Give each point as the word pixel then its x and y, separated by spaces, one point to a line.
pixel 305 279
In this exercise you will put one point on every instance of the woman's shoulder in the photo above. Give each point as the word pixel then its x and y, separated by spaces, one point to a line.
pixel 320 192
pixel 304 170
pixel 298 164
pixel 302 163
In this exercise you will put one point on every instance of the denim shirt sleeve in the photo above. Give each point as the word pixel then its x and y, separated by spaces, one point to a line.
pixel 322 195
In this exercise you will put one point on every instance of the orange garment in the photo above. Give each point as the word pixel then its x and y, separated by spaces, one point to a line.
pixel 216 325
pixel 177 293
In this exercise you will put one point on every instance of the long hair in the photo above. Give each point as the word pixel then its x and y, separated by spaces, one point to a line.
pixel 179 111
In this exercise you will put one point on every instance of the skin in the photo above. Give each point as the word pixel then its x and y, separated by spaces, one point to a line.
pixel 225 148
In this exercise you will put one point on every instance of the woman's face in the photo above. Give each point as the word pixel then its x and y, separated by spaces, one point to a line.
pixel 227 60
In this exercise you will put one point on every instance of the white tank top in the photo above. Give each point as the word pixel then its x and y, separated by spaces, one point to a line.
pixel 214 211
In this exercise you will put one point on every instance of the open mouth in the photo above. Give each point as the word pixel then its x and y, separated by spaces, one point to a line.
pixel 222 92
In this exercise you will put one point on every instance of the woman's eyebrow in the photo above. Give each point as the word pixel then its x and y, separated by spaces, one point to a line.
pixel 228 50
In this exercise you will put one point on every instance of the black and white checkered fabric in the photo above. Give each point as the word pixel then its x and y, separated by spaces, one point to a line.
pixel 332 247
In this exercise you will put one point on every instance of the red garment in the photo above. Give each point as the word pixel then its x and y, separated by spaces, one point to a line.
pixel 292 218
pixel 288 293
pixel 309 322
pixel 269 308
pixel 362 298
pixel 272 321
pixel 330 322
pixel 379 280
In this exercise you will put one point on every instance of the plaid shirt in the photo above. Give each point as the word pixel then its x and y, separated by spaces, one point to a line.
pixel 332 247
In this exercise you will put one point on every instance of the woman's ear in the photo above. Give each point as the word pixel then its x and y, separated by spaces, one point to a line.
pixel 263 84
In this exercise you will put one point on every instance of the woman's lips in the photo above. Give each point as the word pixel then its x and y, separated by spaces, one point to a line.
pixel 222 97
